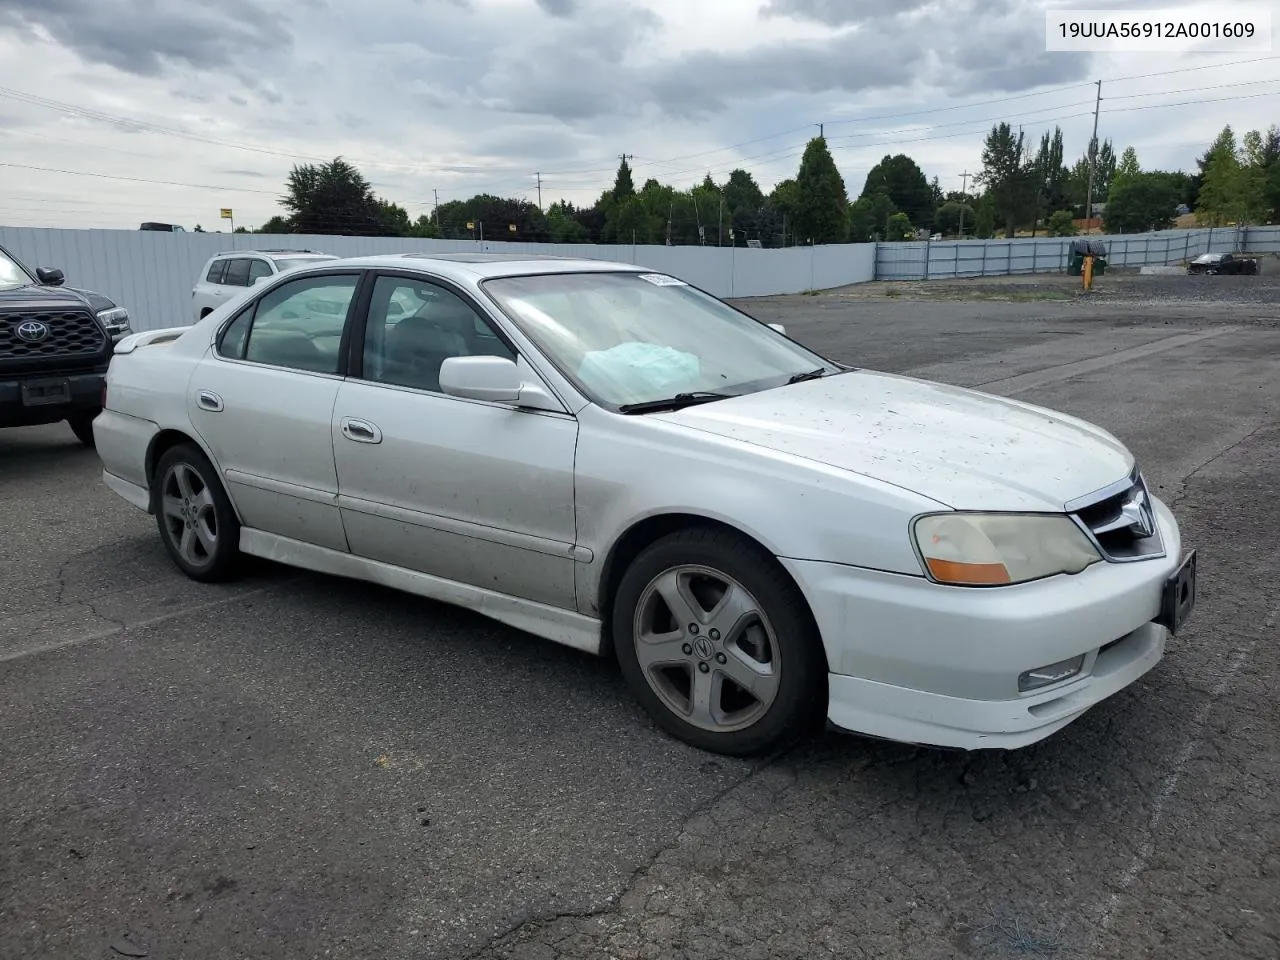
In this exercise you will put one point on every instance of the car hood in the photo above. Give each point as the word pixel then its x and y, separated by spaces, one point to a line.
pixel 37 295
pixel 959 447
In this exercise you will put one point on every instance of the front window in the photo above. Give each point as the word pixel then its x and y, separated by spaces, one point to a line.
pixel 628 338
pixel 12 274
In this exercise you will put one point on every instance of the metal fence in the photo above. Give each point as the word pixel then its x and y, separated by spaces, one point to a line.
pixel 939 260
pixel 152 273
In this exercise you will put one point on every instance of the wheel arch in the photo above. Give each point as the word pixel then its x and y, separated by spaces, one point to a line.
pixel 167 439
pixel 649 530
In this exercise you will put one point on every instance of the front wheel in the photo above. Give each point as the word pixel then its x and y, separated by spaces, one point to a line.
pixel 718 644
pixel 82 426
pixel 197 523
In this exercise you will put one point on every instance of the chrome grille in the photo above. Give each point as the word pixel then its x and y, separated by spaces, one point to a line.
pixel 69 333
pixel 1120 520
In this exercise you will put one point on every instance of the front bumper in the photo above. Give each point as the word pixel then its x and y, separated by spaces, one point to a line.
pixel 919 662
pixel 48 398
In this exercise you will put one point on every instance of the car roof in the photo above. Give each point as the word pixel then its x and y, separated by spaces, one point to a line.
pixel 275 253
pixel 484 266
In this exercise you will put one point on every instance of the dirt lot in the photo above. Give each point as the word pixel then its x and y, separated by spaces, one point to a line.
pixel 298 766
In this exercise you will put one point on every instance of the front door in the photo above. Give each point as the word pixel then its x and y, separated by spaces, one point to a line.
pixel 263 397
pixel 474 492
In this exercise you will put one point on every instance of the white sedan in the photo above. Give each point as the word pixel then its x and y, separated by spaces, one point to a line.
pixel 612 459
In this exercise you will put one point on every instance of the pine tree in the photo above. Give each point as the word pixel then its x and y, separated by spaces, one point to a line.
pixel 821 201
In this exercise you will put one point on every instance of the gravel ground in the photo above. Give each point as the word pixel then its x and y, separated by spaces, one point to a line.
pixel 298 766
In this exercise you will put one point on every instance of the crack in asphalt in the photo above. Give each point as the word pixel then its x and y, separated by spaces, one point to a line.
pixel 1185 483
pixel 1146 848
pixel 613 903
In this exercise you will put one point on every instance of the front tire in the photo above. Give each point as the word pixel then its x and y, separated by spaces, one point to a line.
pixel 82 426
pixel 718 644
pixel 197 523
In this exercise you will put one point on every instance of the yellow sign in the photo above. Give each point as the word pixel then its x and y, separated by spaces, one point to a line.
pixel 225 213
pixel 471 225
pixel 512 228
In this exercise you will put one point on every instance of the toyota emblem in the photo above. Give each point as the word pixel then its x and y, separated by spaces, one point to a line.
pixel 32 331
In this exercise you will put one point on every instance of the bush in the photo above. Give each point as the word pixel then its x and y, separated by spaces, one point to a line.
pixel 1061 224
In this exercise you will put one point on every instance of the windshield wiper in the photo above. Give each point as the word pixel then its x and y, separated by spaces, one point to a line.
pixel 674 403
pixel 811 375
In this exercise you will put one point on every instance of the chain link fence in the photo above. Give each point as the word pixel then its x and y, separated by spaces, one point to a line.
pixel 947 259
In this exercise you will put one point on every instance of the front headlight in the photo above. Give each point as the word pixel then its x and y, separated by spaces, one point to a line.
pixel 986 549
pixel 115 320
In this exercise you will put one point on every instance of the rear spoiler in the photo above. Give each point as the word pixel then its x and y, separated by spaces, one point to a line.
pixel 148 337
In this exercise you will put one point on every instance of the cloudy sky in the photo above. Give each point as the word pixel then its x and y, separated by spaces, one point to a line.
pixel 119 111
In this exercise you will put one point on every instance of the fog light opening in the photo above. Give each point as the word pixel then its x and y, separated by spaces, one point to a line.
pixel 1053 673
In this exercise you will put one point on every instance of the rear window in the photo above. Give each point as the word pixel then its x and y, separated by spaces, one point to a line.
pixel 237 273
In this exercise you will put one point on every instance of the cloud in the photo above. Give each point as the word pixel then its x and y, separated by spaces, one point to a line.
pixel 839 13
pixel 143 38
pixel 559 8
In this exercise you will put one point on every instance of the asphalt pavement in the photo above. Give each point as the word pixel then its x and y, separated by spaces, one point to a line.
pixel 299 766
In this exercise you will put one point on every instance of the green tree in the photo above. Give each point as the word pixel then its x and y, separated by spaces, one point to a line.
pixel 394 219
pixel 563 226
pixel 1006 174
pixel 1048 175
pixel 623 186
pixel 1061 223
pixel 1127 167
pixel 950 215
pixel 898 227
pixel 1219 202
pixel 276 225
pixel 631 222
pixel 902 181
pixel 1104 170
pixel 984 222
pixel 331 198
pixel 821 202
pixel 868 216
pixel 1140 201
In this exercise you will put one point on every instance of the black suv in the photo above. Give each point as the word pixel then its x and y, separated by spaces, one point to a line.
pixel 55 345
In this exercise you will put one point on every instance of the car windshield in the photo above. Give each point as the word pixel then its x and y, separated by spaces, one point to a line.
pixel 11 273
pixel 288 263
pixel 628 338
pixel 1209 258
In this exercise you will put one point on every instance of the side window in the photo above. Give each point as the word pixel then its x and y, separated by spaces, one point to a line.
pixel 299 324
pixel 215 271
pixel 257 270
pixel 414 326
pixel 237 274
pixel 231 343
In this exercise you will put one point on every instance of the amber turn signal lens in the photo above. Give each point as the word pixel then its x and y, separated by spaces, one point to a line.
pixel 951 571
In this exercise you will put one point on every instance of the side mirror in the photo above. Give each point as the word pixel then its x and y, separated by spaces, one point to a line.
pixel 779 327
pixel 50 276
pixel 495 379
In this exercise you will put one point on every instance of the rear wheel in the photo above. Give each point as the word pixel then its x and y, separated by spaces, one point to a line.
pixel 197 524
pixel 717 643
pixel 82 426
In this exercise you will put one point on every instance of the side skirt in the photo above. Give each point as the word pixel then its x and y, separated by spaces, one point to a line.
pixel 551 623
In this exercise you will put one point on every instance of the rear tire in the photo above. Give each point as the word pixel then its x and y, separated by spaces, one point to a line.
pixel 718 644
pixel 82 427
pixel 197 524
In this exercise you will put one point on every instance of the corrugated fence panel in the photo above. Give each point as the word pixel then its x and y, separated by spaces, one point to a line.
pixel 152 273
pixel 997 257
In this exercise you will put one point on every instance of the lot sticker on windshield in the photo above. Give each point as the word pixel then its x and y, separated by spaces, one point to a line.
pixel 662 280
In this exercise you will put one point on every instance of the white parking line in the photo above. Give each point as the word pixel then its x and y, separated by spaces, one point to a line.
pixel 1039 378
pixel 1174 777
pixel 117 629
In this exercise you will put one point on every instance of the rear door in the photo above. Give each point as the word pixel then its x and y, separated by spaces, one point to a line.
pixel 263 398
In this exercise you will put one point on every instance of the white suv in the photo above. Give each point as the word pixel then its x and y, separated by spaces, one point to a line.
pixel 229 274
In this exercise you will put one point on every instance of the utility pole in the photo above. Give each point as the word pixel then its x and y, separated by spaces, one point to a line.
pixel 822 131
pixel 1093 162
pixel 539 176
pixel 435 212
pixel 964 182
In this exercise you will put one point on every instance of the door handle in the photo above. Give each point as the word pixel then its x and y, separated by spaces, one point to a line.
pixel 208 400
pixel 361 431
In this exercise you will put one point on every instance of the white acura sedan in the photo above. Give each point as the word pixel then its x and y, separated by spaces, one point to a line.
pixel 609 458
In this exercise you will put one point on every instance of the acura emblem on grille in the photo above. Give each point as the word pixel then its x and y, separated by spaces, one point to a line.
pixel 32 331
pixel 1137 513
